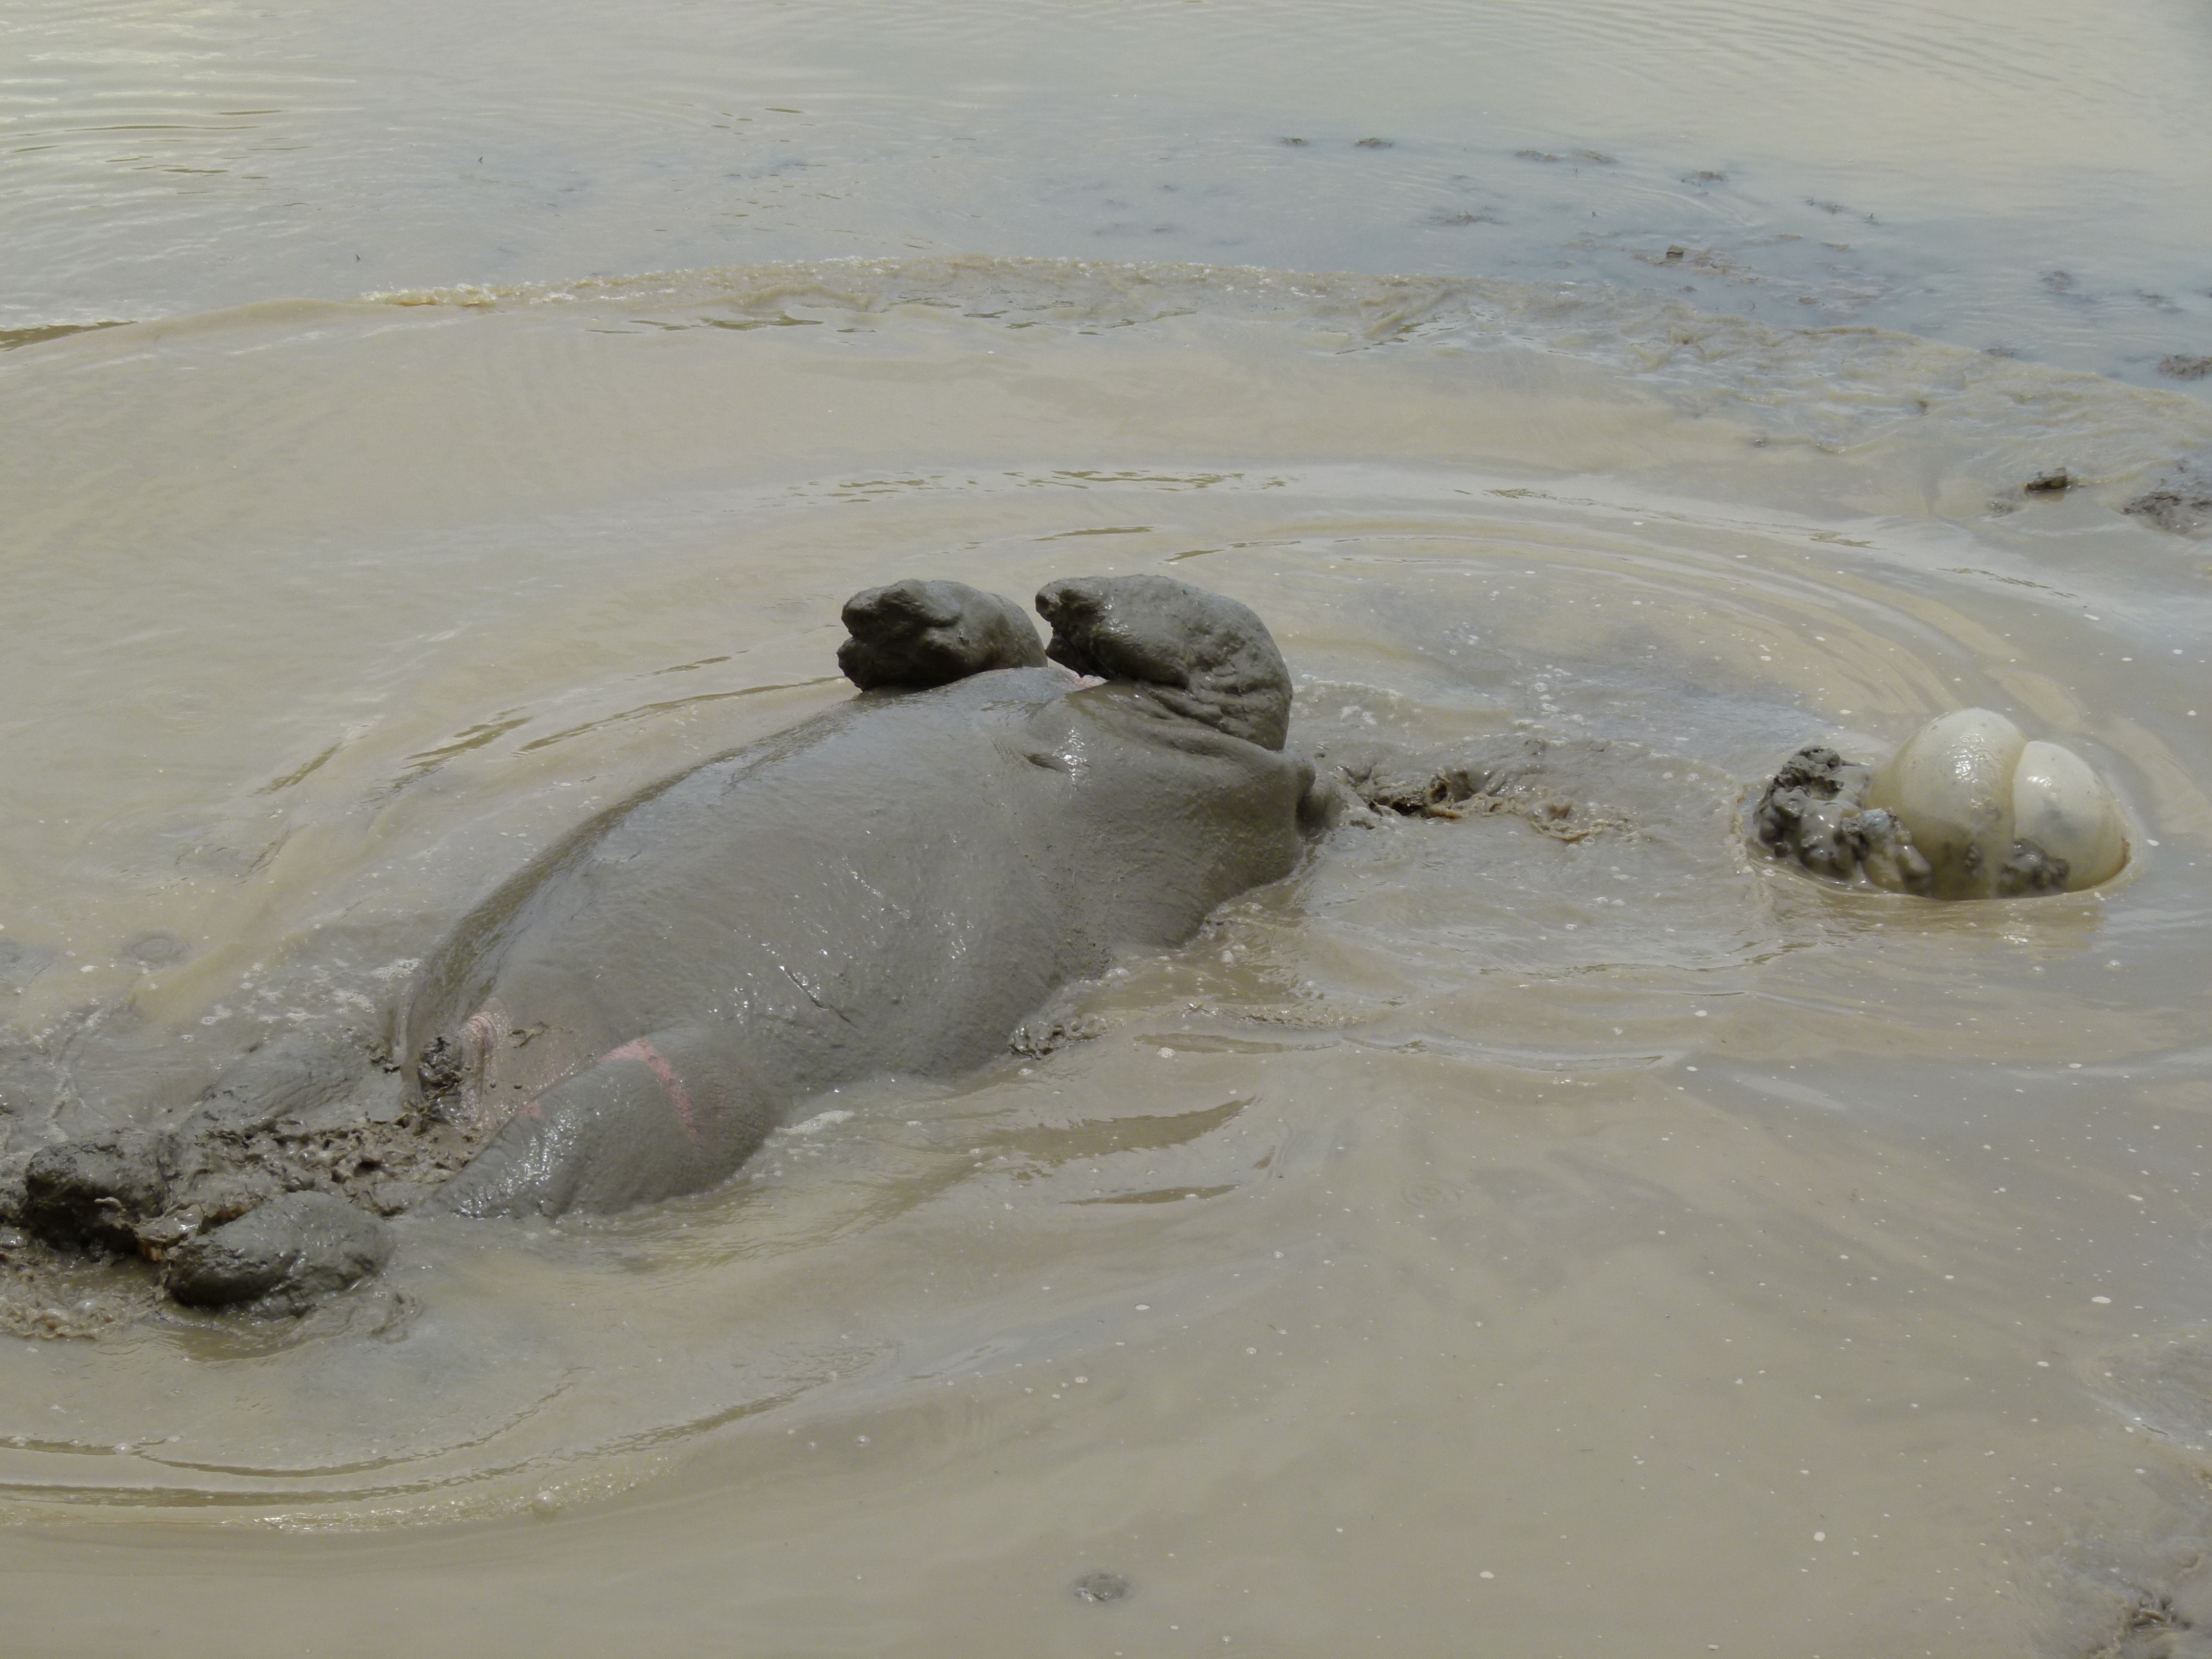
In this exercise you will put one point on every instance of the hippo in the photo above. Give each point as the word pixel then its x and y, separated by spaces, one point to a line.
pixel 890 889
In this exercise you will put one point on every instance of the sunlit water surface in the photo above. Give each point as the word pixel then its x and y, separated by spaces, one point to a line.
pixel 2024 176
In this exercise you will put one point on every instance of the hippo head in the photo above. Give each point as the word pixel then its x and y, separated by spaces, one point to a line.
pixel 1201 655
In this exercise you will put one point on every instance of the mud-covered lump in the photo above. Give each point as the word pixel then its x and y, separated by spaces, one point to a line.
pixel 282 1258
pixel 1968 808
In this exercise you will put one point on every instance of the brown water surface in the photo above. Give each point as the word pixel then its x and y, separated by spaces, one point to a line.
pixel 2023 176
pixel 1485 1242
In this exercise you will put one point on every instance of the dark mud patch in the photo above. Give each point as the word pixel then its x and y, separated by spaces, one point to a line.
pixel 2153 1609
pixel 317 1137
pixel 2154 1628
pixel 2180 504
pixel 13 338
pixel 1595 157
pixel 1515 780
pixel 1048 1034
pixel 2150 1599
pixel 32 1090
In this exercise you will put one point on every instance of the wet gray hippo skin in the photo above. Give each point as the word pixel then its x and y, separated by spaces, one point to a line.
pixel 888 889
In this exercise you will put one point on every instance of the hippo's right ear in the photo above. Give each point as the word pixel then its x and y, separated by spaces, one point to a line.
pixel 917 634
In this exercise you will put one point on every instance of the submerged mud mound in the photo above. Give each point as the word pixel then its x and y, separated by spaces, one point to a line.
pixel 2181 502
pixel 1535 779
pixel 1814 812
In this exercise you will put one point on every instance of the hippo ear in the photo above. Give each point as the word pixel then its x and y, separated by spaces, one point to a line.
pixel 914 633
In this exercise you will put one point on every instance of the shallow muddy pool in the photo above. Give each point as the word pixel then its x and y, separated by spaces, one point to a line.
pixel 1556 1228
pixel 1527 1228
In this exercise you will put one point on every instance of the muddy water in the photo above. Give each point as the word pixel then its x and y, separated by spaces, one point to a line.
pixel 1510 1235
pixel 2018 175
pixel 1490 1240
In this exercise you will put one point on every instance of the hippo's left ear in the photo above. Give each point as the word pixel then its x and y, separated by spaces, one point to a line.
pixel 918 633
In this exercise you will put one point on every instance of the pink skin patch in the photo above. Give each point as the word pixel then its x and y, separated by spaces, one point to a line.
pixel 679 1097
pixel 483 1039
pixel 483 1034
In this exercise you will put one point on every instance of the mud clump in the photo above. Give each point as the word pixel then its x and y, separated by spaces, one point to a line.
pixel 2182 511
pixel 2180 503
pixel 1515 782
pixel 2153 1629
pixel 283 1257
pixel 95 1192
pixel 1814 813
pixel 268 1192
pixel 1036 1038
pixel 2162 1619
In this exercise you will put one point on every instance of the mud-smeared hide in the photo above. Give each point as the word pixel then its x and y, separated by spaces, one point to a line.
pixel 886 889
